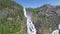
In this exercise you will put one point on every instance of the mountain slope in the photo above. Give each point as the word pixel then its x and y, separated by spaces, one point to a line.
pixel 11 17
pixel 45 18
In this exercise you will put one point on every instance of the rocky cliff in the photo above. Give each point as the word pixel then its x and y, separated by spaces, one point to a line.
pixel 45 18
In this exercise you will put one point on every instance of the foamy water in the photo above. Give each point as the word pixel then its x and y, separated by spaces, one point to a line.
pixel 30 26
pixel 57 30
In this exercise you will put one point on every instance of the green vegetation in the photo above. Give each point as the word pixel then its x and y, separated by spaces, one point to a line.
pixel 57 7
pixel 11 18
pixel 49 19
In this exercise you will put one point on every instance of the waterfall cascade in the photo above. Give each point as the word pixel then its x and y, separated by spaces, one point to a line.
pixel 57 31
pixel 30 26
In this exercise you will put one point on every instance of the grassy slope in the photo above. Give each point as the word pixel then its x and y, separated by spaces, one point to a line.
pixel 15 25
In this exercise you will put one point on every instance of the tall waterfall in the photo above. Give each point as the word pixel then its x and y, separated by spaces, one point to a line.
pixel 30 26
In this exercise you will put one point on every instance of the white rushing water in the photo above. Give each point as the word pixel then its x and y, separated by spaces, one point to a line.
pixel 30 26
pixel 57 30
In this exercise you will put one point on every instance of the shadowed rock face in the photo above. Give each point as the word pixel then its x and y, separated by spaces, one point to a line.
pixel 38 26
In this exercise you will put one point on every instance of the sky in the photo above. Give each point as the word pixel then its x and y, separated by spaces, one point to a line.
pixel 36 3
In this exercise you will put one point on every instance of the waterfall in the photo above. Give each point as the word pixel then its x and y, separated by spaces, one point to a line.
pixel 30 26
pixel 57 31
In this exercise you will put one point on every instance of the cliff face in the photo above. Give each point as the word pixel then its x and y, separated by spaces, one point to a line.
pixel 45 18
pixel 11 18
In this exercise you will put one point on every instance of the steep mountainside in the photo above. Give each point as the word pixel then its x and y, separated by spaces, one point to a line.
pixel 11 18
pixel 45 18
